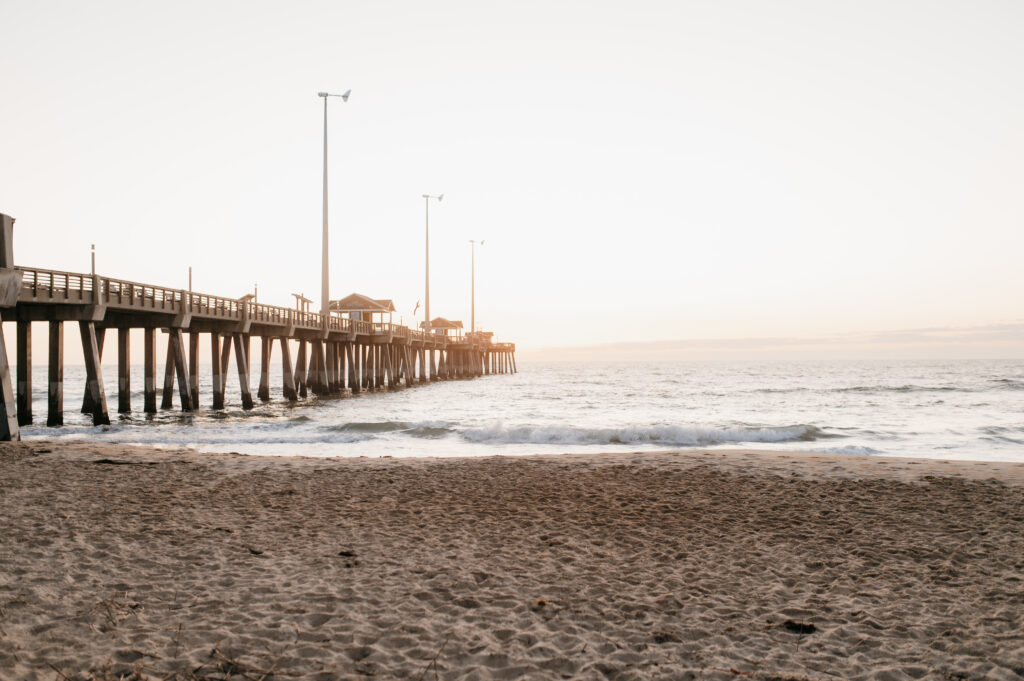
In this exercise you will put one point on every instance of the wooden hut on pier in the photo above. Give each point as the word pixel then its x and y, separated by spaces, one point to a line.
pixel 444 327
pixel 364 308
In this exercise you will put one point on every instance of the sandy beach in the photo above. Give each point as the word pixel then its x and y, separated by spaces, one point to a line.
pixel 130 563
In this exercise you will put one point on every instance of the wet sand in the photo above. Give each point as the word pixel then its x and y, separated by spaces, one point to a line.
pixel 120 562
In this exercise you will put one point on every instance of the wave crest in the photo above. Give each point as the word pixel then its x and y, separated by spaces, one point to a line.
pixel 678 436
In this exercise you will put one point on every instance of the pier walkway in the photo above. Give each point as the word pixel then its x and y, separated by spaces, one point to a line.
pixel 334 356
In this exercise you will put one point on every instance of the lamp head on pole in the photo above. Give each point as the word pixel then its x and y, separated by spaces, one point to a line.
pixel 344 96
pixel 430 196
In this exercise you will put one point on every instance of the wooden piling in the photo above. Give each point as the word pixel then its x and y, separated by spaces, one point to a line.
pixel 342 367
pixel 168 394
pixel 266 345
pixel 387 368
pixel 24 361
pixel 193 368
pixel 216 371
pixel 300 369
pixel 242 362
pixel 149 379
pixel 316 370
pixel 9 429
pixel 353 378
pixel 332 360
pixel 124 380
pixel 225 363
pixel 87 405
pixel 287 377
pixel 94 373
pixel 176 341
pixel 55 392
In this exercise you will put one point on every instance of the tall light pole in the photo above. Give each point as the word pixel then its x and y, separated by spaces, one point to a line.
pixel 472 285
pixel 426 307
pixel 325 289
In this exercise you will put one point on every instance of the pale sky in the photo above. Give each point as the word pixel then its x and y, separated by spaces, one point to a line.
pixel 640 171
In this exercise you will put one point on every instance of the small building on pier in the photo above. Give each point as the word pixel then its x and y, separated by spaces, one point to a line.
pixel 364 308
pixel 444 327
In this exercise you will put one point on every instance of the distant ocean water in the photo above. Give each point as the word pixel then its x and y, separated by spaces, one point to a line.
pixel 940 409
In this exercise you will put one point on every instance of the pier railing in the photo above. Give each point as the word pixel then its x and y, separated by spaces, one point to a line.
pixel 54 286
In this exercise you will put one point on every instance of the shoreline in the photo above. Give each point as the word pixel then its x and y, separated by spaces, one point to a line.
pixel 120 561
pixel 900 467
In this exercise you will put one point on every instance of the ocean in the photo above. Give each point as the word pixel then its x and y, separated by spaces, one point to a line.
pixel 965 409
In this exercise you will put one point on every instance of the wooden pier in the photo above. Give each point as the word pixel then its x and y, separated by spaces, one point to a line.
pixel 335 356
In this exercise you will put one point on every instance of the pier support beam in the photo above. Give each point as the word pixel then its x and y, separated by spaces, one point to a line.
pixel 353 378
pixel 217 373
pixel 266 346
pixel 24 351
pixel 242 362
pixel 332 361
pixel 319 368
pixel 342 367
pixel 388 368
pixel 9 429
pixel 55 393
pixel 93 373
pixel 287 377
pixel 176 342
pixel 124 382
pixel 300 369
pixel 87 405
pixel 167 402
pixel 149 361
pixel 193 368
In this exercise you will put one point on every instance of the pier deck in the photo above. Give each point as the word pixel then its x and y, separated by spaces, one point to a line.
pixel 335 355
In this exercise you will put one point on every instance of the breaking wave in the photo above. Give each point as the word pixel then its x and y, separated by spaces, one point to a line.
pixel 677 436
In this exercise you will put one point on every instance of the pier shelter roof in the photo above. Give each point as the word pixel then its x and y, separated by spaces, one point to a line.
pixel 443 326
pixel 358 306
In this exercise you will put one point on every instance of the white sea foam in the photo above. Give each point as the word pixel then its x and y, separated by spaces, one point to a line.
pixel 677 436
pixel 857 450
